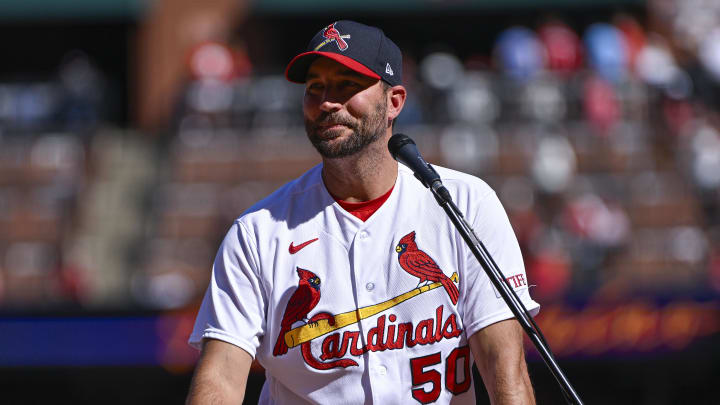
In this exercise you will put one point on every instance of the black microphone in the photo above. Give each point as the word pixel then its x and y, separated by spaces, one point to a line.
pixel 404 150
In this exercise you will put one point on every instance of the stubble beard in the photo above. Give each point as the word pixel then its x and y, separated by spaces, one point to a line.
pixel 365 131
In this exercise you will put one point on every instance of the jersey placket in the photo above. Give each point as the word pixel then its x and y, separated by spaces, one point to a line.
pixel 370 289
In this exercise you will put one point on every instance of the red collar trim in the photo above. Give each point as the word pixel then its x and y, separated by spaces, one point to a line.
pixel 365 209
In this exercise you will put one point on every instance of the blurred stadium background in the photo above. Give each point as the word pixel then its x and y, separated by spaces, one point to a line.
pixel 133 132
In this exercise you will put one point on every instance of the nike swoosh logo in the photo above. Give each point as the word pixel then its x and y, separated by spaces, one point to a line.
pixel 294 249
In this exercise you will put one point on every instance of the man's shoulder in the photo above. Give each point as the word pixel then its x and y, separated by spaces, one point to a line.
pixel 284 199
pixel 457 181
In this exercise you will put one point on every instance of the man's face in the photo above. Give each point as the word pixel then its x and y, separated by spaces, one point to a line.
pixel 344 110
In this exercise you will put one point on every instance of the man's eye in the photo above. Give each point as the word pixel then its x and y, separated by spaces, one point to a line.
pixel 314 87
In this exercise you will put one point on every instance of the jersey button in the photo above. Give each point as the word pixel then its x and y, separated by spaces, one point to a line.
pixel 370 286
pixel 364 235
pixel 382 370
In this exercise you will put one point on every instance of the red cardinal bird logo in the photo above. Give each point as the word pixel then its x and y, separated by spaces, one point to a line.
pixel 421 265
pixel 302 301
pixel 331 33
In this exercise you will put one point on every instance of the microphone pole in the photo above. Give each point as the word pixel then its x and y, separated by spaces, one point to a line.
pixel 404 150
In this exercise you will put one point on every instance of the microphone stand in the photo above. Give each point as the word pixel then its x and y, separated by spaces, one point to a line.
pixel 442 196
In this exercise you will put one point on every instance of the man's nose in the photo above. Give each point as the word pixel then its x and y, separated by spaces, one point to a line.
pixel 329 103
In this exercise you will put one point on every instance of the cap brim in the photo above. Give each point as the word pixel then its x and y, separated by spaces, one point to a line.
pixel 296 70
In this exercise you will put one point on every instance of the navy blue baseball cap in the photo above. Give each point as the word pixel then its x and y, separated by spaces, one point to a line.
pixel 360 47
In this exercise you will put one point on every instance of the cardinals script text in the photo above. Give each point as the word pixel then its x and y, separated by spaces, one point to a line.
pixel 385 335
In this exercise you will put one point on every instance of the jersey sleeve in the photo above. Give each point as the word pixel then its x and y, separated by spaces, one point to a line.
pixel 483 303
pixel 233 307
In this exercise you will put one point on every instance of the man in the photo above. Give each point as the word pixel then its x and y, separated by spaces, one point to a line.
pixel 349 284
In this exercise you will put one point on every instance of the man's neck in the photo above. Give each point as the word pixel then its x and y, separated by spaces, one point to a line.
pixel 362 177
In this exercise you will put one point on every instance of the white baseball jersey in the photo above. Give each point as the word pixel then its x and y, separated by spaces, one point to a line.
pixel 343 311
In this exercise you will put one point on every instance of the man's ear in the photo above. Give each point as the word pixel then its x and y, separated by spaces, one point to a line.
pixel 396 100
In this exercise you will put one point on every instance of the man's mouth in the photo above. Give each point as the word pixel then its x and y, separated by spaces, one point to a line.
pixel 331 126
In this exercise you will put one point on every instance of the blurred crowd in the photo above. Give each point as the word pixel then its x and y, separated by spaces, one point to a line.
pixel 602 142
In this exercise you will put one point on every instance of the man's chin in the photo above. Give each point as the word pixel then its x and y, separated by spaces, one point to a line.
pixel 334 148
